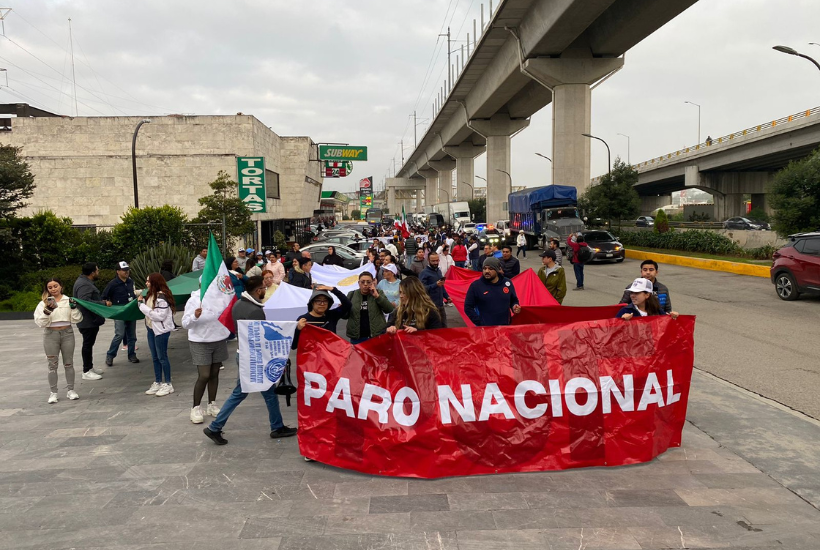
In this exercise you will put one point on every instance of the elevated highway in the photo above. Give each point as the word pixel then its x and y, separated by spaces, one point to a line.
pixel 530 53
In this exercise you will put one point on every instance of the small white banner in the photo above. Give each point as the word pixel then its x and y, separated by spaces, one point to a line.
pixel 264 347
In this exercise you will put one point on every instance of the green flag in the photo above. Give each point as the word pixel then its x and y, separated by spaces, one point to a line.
pixel 127 312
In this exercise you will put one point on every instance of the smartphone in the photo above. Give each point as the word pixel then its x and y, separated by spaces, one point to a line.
pixel 51 301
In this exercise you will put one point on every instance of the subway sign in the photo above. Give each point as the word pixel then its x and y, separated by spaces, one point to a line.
pixel 251 177
pixel 342 152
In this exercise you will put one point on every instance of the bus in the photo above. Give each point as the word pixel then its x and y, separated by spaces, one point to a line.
pixel 373 216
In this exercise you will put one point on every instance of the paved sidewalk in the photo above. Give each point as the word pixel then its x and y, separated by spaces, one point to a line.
pixel 121 470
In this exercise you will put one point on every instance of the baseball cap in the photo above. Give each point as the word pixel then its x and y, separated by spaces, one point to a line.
pixel 391 268
pixel 122 266
pixel 548 254
pixel 267 252
pixel 641 285
pixel 248 250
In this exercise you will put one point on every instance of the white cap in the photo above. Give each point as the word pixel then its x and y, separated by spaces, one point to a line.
pixel 123 266
pixel 391 268
pixel 267 252
pixel 641 285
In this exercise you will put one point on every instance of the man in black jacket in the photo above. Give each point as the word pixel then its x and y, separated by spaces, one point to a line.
pixel 85 289
pixel 509 263
pixel 120 291
pixel 649 270
pixel 249 308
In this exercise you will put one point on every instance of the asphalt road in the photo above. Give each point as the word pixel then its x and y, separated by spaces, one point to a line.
pixel 744 333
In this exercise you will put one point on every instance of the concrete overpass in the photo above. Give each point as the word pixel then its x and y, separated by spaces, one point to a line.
pixel 727 167
pixel 530 53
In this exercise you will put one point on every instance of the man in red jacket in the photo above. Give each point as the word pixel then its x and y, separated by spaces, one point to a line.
pixel 459 253
pixel 575 243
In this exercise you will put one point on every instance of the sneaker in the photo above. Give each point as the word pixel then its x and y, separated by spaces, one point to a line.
pixel 196 415
pixel 212 409
pixel 133 359
pixel 308 459
pixel 284 431
pixel 216 437
pixel 153 389
pixel 109 361
pixel 578 288
pixel 165 389
pixel 91 375
pixel 72 395
pixel 222 367
pixel 97 371
pixel 124 347
pixel 52 398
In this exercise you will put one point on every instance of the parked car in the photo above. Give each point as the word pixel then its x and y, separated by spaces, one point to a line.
pixel 645 221
pixel 492 236
pixel 327 235
pixel 605 246
pixel 351 258
pixel 469 228
pixel 503 227
pixel 796 266
pixel 746 223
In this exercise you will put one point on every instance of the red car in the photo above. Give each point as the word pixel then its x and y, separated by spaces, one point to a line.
pixel 796 266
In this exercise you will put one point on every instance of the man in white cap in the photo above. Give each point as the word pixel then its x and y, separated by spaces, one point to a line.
pixel 120 291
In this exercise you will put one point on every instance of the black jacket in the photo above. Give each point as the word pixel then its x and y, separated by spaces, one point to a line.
pixel 330 319
pixel 119 292
pixel 660 292
pixel 302 280
pixel 246 310
pixel 333 259
pixel 511 267
pixel 85 289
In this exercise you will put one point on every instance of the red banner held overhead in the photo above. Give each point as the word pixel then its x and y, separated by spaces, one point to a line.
pixel 485 400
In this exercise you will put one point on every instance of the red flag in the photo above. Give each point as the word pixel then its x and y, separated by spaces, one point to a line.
pixel 486 400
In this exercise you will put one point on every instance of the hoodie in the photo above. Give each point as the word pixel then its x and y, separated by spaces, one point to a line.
pixel 489 303
pixel 207 327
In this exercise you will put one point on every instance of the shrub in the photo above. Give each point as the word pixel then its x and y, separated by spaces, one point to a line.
pixel 34 280
pixel 758 214
pixel 142 228
pixel 707 242
pixel 699 217
pixel 661 222
pixel 22 301
pixel 279 240
pixel 150 260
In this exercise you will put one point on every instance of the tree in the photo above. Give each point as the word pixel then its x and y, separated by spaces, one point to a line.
pixel 356 214
pixel 225 204
pixel 795 196
pixel 661 222
pixel 16 181
pixel 615 197
pixel 478 209
pixel 143 228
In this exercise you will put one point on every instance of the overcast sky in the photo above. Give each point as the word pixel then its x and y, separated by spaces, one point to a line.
pixel 353 70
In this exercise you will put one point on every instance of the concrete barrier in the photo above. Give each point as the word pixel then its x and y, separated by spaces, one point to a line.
pixel 702 263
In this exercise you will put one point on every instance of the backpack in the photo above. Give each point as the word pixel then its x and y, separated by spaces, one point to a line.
pixel 585 254
pixel 285 386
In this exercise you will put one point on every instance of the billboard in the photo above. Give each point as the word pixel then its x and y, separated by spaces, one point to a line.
pixel 251 177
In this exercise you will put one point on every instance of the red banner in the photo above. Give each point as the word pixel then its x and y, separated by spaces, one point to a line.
pixel 486 400
pixel 529 288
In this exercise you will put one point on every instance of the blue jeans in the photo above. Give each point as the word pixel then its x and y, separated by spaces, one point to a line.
pixel 460 264
pixel 520 250
pixel 159 353
pixel 475 264
pixel 237 397
pixel 579 275
pixel 121 328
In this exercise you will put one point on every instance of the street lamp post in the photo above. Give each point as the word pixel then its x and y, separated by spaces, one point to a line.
pixel 543 156
pixel 608 154
pixel 472 189
pixel 483 179
pixel 698 106
pixel 628 161
pixel 792 51
pixel 134 160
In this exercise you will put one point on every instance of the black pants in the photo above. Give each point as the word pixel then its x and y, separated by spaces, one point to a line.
pixel 442 311
pixel 89 339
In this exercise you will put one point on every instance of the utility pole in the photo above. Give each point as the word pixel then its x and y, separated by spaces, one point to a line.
pixel 415 141
pixel 449 67
pixel 73 74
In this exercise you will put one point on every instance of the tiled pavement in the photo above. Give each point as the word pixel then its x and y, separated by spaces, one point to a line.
pixel 121 470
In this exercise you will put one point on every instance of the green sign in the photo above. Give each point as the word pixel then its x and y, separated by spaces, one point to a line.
pixel 251 177
pixel 342 152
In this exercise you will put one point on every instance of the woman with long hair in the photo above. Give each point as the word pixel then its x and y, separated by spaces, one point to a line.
pixel 253 268
pixel 158 307
pixel 416 310
pixel 644 302
pixel 238 278
pixel 55 314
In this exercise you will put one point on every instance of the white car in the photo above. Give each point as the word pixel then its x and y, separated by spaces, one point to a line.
pixel 469 228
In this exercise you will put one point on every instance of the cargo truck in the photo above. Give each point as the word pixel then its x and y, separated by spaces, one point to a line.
pixel 542 213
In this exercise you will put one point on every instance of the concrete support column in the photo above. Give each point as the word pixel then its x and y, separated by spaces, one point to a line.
pixel 570 79
pixel 445 168
pixel 728 206
pixel 391 197
pixel 465 169
pixel 759 200
pixel 651 204
pixel 430 187
pixel 498 131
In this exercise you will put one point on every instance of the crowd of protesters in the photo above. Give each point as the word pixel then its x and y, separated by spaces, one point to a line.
pixel 407 294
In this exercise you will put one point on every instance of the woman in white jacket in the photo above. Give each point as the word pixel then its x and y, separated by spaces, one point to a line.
pixel 207 339
pixel 158 307
pixel 55 314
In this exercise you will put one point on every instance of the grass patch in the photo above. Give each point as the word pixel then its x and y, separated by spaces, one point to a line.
pixel 736 259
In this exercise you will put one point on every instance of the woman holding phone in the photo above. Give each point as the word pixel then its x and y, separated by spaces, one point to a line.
pixel 158 307
pixel 55 314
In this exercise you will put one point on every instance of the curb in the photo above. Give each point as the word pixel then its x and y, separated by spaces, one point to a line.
pixel 700 263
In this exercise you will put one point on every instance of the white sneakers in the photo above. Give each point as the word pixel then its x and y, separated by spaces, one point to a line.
pixel 72 395
pixel 52 398
pixel 91 375
pixel 196 415
pixel 164 389
pixel 153 389
pixel 212 409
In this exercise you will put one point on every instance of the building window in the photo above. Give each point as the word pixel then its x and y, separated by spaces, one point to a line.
pixel 272 184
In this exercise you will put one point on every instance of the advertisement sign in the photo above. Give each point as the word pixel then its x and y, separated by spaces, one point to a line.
pixel 251 177
pixel 602 392
pixel 342 152
pixel 365 194
pixel 337 169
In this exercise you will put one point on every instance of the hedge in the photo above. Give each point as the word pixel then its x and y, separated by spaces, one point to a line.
pixel 694 240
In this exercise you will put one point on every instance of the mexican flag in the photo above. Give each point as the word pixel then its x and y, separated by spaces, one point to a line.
pixel 217 292
pixel 403 224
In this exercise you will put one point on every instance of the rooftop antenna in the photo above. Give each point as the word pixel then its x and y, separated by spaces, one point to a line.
pixel 73 74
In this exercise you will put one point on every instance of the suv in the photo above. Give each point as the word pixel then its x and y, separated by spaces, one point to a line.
pixel 645 221
pixel 796 266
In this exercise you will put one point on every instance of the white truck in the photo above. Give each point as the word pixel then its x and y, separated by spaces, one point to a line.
pixel 455 213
